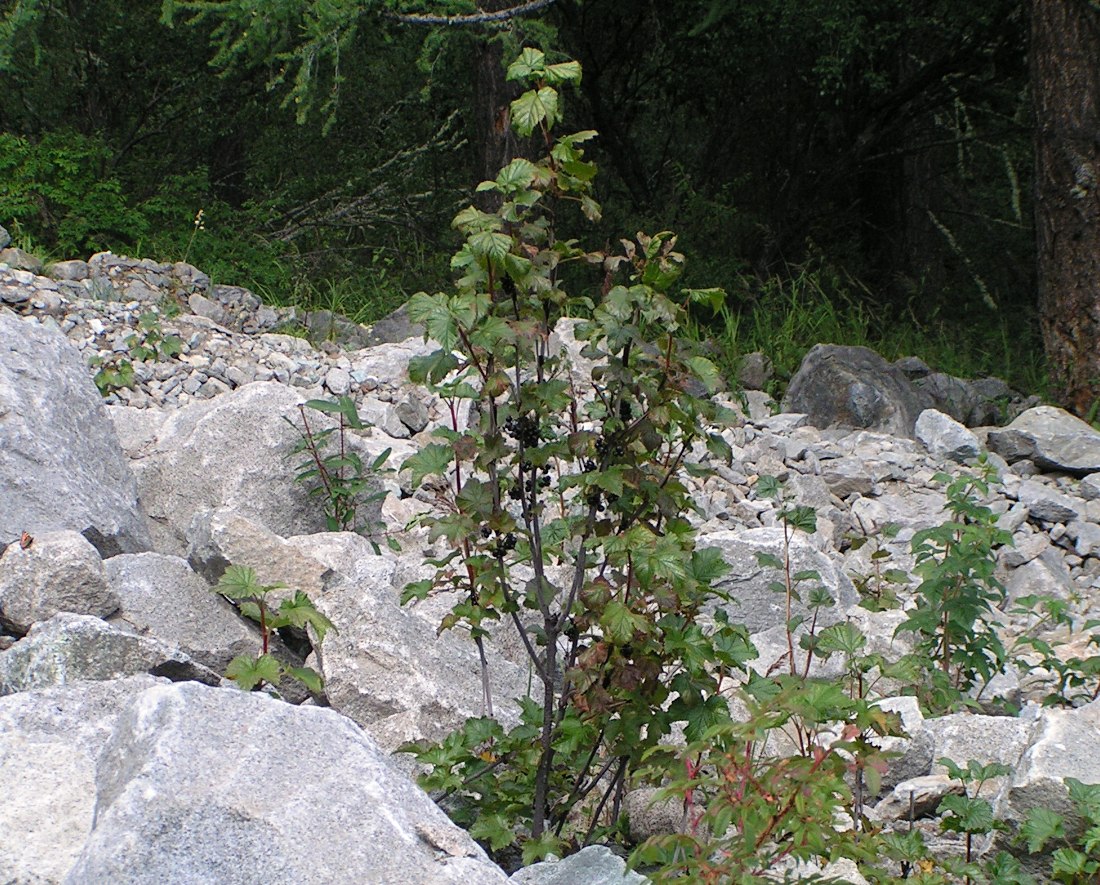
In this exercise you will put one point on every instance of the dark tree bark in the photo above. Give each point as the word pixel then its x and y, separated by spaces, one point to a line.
pixel 1065 78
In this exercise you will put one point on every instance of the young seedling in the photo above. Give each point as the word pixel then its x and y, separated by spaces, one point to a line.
pixel 240 584
pixel 339 477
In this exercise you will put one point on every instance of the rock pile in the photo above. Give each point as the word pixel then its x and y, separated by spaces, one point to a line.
pixel 119 514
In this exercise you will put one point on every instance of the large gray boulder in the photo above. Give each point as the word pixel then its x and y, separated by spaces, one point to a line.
pixel 840 386
pixel 388 670
pixel 755 603
pixel 219 538
pixel 75 648
pixel 160 596
pixel 1064 743
pixel 1052 438
pixel 61 466
pixel 232 451
pixel 393 328
pixel 58 572
pixel 200 785
pixel 49 743
pixel 945 438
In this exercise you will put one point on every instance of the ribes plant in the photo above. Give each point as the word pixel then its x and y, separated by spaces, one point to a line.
pixel 240 584
pixel 953 618
pixel 752 812
pixel 1076 858
pixel 565 496
pixel 878 588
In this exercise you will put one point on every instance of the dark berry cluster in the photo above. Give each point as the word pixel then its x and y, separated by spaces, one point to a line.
pixel 504 544
pixel 613 446
pixel 524 429
pixel 594 498
pixel 529 485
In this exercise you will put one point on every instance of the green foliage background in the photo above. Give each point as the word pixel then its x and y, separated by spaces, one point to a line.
pixel 855 171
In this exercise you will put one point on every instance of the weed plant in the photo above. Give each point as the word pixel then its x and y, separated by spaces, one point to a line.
pixel 148 343
pixel 336 474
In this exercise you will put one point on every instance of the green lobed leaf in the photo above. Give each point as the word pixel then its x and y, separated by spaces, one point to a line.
pixel 533 108
pixel 241 582
pixel 496 829
pixel 714 298
pixel 309 677
pixel 517 175
pixel 299 611
pixel 1040 827
pixel 433 459
pixel 531 63
pixel 563 72
pixel 249 672
pixel 439 323
pixel 491 246
pixel 620 623
pixel 707 372
pixel 702 717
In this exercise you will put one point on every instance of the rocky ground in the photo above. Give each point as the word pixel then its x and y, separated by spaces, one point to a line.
pixel 135 503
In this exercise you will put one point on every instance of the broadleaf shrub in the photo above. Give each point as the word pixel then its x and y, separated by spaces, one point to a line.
pixel 566 496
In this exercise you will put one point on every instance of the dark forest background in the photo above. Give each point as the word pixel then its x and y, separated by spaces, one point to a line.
pixel 854 170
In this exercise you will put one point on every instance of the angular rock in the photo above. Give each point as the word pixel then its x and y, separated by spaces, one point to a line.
pixel 219 538
pixel 594 865
pixel 962 737
pixel 394 328
pixel 58 572
pixel 1042 576
pixel 950 395
pixel 1052 438
pixel 649 815
pixel 847 476
pixel 919 796
pixel 387 669
pixel 161 596
pixel 232 451
pixel 202 306
pixel 1045 503
pixel 69 270
pixel 5 237
pixel 755 371
pixel 748 583
pixel 854 387
pixel 997 403
pixel 1090 487
pixel 70 648
pixel 914 751
pixel 911 509
pixel 345 552
pixel 1086 538
pixel 945 438
pixel 50 741
pixel 137 429
pixel 219 785
pixel 324 325
pixel 60 462
pixel 20 259
pixel 1065 743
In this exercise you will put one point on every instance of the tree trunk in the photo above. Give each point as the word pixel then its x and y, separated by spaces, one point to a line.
pixel 1065 84
pixel 497 144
